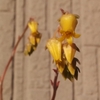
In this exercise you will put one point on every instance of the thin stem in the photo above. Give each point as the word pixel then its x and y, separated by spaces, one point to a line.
pixel 12 55
pixel 0 89
pixel 9 61
pixel 55 84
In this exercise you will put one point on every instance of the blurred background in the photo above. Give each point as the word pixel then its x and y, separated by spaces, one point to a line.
pixel 28 77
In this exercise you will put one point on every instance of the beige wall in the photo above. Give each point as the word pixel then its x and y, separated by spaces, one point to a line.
pixel 28 78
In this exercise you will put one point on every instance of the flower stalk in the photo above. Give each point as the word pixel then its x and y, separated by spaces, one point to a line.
pixel 63 49
pixel 13 54
pixel 9 61
pixel 55 84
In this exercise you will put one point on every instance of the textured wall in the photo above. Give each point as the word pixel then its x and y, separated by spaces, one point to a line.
pixel 28 78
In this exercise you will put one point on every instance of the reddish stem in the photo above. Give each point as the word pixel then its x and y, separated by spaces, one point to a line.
pixel 0 89
pixel 55 84
pixel 12 55
pixel 9 61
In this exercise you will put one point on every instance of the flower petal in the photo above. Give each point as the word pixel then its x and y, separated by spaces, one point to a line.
pixel 33 27
pixel 32 40
pixel 60 66
pixel 76 35
pixel 38 38
pixel 66 74
pixel 54 46
pixel 71 69
pixel 69 53
pixel 69 40
pixel 29 49
pixel 62 38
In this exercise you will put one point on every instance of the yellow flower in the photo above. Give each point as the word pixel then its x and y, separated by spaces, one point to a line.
pixel 68 24
pixel 62 48
pixel 33 25
pixel 69 52
pixel 28 50
pixel 34 40
pixel 38 37
pixel 54 47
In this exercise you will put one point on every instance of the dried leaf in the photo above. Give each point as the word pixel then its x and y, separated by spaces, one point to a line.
pixel 76 75
pixel 75 60
pixel 63 12
pixel 75 47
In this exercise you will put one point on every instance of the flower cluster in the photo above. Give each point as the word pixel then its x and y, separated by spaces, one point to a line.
pixel 62 48
pixel 34 37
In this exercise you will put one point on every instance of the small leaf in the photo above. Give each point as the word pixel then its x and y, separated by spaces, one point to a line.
pixel 57 84
pixel 55 70
pixel 76 73
pixel 63 12
pixel 51 82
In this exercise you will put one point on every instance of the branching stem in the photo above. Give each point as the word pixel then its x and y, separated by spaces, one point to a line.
pixel 55 84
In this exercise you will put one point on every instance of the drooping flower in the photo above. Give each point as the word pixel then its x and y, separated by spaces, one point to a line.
pixel 34 40
pixel 68 22
pixel 29 49
pixel 67 27
pixel 54 47
pixel 62 48
pixel 33 25
pixel 34 37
